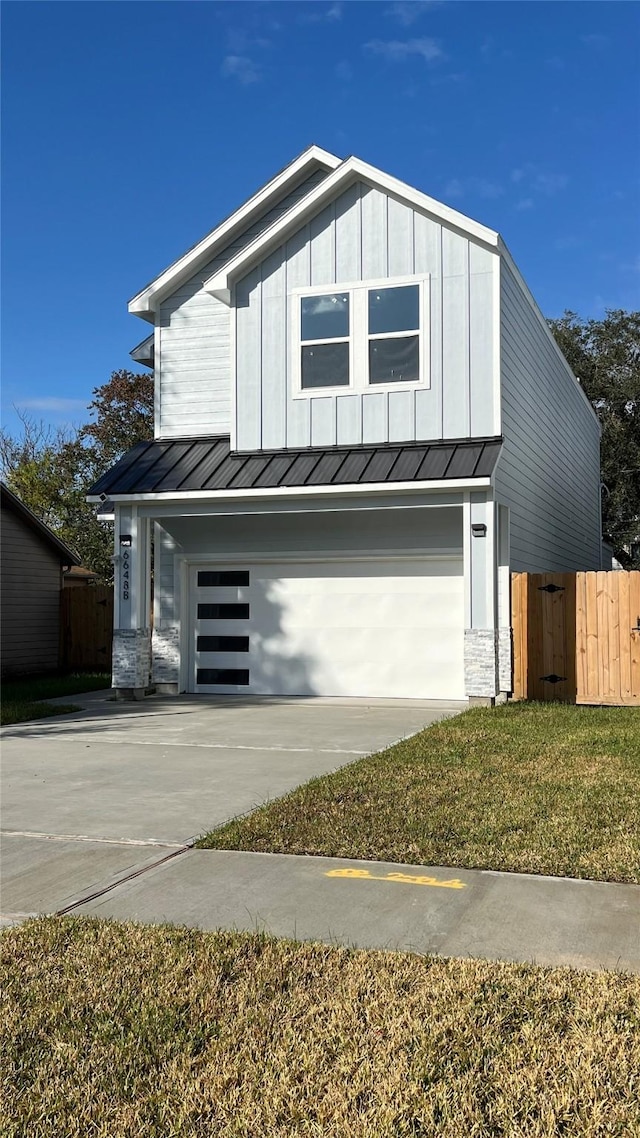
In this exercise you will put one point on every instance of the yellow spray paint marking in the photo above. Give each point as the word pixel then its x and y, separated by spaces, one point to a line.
pixel 405 878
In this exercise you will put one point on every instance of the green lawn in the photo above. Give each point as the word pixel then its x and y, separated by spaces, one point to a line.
pixel 125 1031
pixel 532 788
pixel 23 699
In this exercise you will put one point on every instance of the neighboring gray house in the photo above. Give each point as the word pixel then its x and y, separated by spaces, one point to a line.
pixel 33 561
pixel 362 426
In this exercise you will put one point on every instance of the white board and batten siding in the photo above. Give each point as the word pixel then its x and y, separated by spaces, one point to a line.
pixel 192 341
pixel 369 235
pixel 549 472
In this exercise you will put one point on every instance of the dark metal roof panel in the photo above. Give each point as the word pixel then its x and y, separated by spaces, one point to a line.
pixel 435 462
pixel 463 462
pixel 487 461
pixel 179 465
pixel 196 478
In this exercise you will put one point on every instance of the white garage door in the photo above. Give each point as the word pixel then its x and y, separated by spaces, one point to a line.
pixel 345 628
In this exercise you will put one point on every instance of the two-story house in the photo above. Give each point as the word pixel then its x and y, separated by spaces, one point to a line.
pixel 362 425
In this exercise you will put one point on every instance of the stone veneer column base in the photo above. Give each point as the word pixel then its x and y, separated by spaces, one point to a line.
pixel 165 656
pixel 131 662
pixel 481 663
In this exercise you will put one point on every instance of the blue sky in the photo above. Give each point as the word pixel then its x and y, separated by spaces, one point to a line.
pixel 131 128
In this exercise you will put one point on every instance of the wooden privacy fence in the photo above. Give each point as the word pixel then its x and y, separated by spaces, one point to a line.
pixel 86 627
pixel 576 637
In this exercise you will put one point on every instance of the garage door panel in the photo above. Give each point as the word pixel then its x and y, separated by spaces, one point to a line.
pixel 361 628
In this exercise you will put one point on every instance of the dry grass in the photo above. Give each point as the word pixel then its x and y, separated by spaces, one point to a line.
pixel 531 788
pixel 123 1031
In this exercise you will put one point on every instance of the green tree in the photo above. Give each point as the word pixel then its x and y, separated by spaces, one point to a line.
pixel 605 356
pixel 51 471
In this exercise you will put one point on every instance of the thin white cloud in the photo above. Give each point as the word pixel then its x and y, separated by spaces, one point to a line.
pixel 242 68
pixel 316 14
pixel 595 40
pixel 481 187
pixel 57 406
pixel 454 189
pixel 535 180
pixel 397 51
pixel 343 71
pixel 406 12
pixel 524 203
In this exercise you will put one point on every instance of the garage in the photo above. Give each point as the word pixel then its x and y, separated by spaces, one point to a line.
pixel 377 627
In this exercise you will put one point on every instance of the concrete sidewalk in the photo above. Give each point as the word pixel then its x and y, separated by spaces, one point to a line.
pixel 426 909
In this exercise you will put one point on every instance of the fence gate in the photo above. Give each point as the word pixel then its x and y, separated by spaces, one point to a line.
pixel 86 627
pixel 576 637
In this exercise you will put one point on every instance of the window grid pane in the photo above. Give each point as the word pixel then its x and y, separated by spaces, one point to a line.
pixel 394 309
pixel 395 360
pixel 324 317
pixel 325 365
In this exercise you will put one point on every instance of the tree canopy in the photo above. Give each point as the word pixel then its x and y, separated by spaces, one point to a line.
pixel 51 471
pixel 605 356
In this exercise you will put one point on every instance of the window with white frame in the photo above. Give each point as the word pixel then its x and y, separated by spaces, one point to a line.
pixel 363 336
pixel 324 339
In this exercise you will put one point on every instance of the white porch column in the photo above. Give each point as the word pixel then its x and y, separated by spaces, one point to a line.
pixel 505 637
pixel 132 587
pixel 481 593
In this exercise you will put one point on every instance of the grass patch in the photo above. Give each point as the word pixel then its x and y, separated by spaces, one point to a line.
pixel 530 788
pixel 124 1030
pixel 22 699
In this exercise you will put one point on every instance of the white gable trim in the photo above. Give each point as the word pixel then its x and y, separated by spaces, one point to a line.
pixel 144 302
pixel 352 169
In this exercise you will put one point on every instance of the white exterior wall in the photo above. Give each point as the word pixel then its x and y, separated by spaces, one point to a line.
pixel 192 343
pixel 549 471
pixel 368 235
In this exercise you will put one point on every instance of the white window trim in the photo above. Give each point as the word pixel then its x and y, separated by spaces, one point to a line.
pixel 359 337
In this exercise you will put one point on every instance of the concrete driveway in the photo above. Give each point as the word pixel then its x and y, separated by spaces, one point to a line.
pixel 89 799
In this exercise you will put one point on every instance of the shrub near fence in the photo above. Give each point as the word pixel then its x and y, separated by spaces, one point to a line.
pixel 86 628
pixel 576 637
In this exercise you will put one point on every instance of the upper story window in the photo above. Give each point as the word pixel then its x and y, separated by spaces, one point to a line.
pixel 360 337
pixel 324 338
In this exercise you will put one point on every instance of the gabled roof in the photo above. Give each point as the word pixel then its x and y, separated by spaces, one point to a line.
pixel 144 302
pixel 188 466
pixel 10 501
pixel 351 170
pixel 144 353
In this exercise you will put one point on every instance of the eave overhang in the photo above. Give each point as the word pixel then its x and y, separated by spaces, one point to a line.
pixel 144 303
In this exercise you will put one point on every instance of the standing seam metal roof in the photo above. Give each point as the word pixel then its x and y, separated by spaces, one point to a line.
pixel 181 465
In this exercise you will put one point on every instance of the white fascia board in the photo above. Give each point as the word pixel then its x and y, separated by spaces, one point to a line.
pixel 349 489
pixel 352 169
pixel 526 291
pixel 143 303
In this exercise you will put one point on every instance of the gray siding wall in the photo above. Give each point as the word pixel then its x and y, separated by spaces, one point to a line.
pixel 368 235
pixel 192 360
pixel 549 470
pixel 30 600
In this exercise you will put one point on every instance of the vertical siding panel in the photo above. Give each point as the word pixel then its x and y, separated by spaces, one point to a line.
pixel 249 362
pixel 481 340
pixel 349 235
pixel 400 257
pixel 298 275
pixel 323 422
pixel 455 335
pixel 274 376
pixel 401 416
pixel 374 418
pixel 428 259
pixel 627 622
pixel 348 420
pixel 323 247
pixel 374 234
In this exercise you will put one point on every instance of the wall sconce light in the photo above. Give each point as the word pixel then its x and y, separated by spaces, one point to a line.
pixel 479 529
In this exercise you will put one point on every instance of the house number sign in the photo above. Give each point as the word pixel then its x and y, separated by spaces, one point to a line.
pixel 125 545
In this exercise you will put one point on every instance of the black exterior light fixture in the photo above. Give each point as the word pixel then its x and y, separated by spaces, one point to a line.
pixel 478 529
